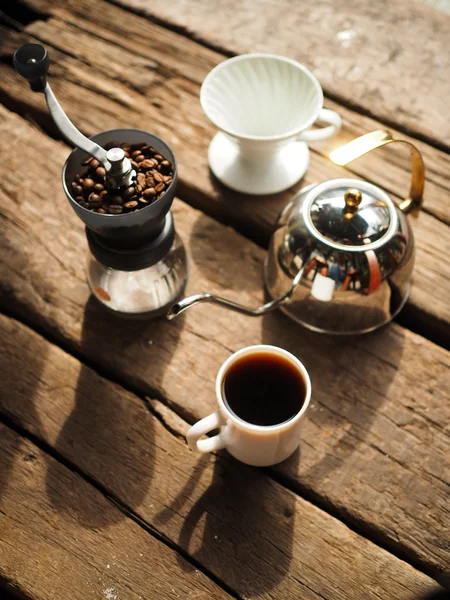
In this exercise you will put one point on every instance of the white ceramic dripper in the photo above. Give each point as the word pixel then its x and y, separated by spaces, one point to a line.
pixel 263 104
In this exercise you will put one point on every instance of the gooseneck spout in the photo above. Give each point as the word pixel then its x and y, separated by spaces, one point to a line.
pixel 186 303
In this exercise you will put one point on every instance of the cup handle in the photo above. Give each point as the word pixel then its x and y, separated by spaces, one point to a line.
pixel 203 427
pixel 328 116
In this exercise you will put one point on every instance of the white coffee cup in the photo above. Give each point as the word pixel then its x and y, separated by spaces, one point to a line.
pixel 256 445
pixel 264 105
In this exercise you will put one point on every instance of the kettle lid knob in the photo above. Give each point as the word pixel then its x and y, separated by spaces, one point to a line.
pixel 352 198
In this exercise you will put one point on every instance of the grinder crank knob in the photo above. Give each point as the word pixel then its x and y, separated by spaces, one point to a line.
pixel 32 62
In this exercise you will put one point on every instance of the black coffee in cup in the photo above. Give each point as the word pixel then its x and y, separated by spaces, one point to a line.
pixel 264 389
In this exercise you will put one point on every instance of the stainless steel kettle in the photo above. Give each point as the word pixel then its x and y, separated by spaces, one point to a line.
pixel 342 253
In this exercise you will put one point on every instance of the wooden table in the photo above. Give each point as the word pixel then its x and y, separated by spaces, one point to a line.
pixel 99 495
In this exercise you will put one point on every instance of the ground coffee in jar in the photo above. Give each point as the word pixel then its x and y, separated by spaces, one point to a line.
pixel 154 174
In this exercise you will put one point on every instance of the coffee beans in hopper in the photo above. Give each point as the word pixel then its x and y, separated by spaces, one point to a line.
pixel 154 174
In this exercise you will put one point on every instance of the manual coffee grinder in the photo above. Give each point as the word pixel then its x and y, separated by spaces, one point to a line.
pixel 137 265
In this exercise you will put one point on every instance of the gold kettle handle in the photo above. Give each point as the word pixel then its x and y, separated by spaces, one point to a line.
pixel 370 141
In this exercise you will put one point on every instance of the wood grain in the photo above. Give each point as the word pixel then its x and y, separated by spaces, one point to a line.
pixel 61 538
pixel 375 446
pixel 172 53
pixel 389 58
pixel 250 532
pixel 120 96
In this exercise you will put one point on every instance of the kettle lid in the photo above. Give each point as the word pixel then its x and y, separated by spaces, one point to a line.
pixel 346 213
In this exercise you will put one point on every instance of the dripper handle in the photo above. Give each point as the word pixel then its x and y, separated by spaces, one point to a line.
pixel 32 62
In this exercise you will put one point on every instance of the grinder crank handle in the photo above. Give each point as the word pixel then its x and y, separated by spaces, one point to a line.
pixel 32 62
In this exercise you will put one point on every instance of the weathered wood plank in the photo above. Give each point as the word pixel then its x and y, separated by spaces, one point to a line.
pixel 114 98
pixel 174 53
pixel 388 58
pixel 256 536
pixel 378 427
pixel 170 53
pixel 61 538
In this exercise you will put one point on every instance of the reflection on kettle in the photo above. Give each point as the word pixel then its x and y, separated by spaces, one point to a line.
pixel 342 253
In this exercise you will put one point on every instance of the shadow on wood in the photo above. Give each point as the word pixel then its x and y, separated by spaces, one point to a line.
pixel 438 594
pixel 99 426
pixel 207 232
pixel 337 410
pixel 241 508
pixel 18 388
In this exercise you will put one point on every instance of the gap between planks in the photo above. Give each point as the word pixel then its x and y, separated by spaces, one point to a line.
pixel 71 17
pixel 176 424
pixel 212 224
pixel 339 99
pixel 198 33
pixel 411 318
pixel 114 499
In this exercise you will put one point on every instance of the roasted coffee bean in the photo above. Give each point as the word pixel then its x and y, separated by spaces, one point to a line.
pixel 115 209
pixel 146 164
pixel 139 158
pixel 140 179
pixel 167 179
pixel 160 187
pixel 158 177
pixel 98 187
pixel 166 166
pixel 87 160
pixel 79 199
pixel 126 194
pixel 94 164
pixel 105 207
pixel 135 165
pixel 127 154
pixel 118 200
pixel 102 211
pixel 84 204
pixel 95 200
pixel 88 184
pixel 77 177
pixel 100 172
pixel 103 194
pixel 77 189
pixel 131 205
pixel 125 147
pixel 149 193
pixel 136 153
pixel 143 201
pixel 158 157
